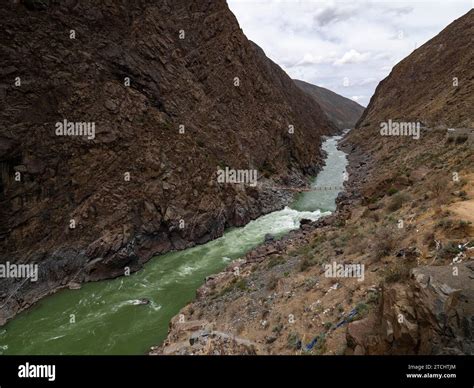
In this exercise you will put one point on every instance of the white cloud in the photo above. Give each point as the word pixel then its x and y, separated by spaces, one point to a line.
pixel 310 59
pixel 331 14
pixel 352 56
pixel 325 41
pixel 366 81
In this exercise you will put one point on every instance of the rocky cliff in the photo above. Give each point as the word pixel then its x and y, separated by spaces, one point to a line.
pixel 407 216
pixel 114 119
pixel 342 111
pixel 430 177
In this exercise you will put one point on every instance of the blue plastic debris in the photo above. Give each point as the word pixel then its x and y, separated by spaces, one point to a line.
pixel 312 343
pixel 346 319
pixel 352 313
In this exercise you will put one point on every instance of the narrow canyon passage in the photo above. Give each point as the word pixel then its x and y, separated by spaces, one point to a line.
pixel 107 318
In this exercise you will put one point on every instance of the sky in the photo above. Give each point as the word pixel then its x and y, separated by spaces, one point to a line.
pixel 345 46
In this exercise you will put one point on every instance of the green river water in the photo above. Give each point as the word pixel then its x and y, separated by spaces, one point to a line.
pixel 106 319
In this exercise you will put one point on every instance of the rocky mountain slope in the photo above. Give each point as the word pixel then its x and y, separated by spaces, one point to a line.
pixel 173 91
pixel 342 111
pixel 446 66
pixel 407 215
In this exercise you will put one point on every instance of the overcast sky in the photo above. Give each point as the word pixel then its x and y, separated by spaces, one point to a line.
pixel 345 46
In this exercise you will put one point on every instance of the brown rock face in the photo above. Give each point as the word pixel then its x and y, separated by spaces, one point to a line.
pixel 432 314
pixel 431 89
pixel 342 111
pixel 171 90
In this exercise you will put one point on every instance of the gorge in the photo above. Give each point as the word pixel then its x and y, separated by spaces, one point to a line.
pixel 106 317
pixel 199 214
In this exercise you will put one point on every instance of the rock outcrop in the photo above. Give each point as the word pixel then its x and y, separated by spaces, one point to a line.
pixel 170 91
pixel 433 313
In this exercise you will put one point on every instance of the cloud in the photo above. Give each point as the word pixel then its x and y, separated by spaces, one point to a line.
pixel 401 10
pixel 309 60
pixel 352 56
pixel 346 46
pixel 357 98
pixel 366 81
pixel 331 14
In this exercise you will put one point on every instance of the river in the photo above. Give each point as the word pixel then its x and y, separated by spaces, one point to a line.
pixel 102 318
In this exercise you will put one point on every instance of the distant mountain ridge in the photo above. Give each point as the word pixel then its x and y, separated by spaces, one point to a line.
pixel 342 111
